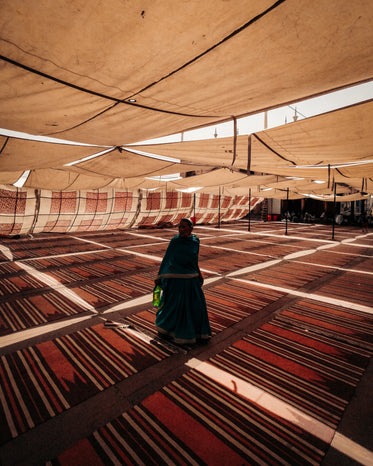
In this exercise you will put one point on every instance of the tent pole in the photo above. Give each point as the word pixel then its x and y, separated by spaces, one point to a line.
pixel 334 209
pixel 287 210
pixel 219 210
pixel 248 227
pixel 194 208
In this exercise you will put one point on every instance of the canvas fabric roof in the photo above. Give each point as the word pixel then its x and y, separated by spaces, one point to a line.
pixel 333 146
pixel 24 154
pixel 69 69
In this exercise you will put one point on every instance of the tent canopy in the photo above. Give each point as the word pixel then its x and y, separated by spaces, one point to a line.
pixel 116 73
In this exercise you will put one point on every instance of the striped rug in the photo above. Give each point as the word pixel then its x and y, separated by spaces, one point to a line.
pixel 46 263
pixel 227 304
pixel 351 286
pixel 24 312
pixel 265 248
pixel 195 420
pixel 153 249
pixel 307 370
pixel 312 356
pixel 119 239
pixel 354 250
pixel 292 275
pixel 8 267
pixel 39 382
pixel 365 265
pixel 103 268
pixel 27 248
pixel 16 283
pixel 115 290
pixel 330 258
pixel 227 261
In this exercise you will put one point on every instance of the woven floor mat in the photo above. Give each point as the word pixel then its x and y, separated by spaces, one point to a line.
pixel 46 263
pixel 273 397
pixel 29 311
pixel 117 239
pixel 354 250
pixel 42 381
pixel 152 249
pixel 228 261
pixel 227 304
pixel 27 248
pixel 367 240
pixel 311 355
pixel 107 269
pixel 328 258
pixel 9 268
pixel 18 283
pixel 352 287
pixel 263 241
pixel 115 290
pixel 366 265
pixel 195 420
pixel 292 275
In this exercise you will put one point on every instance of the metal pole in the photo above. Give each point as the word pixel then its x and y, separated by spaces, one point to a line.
pixel 219 210
pixel 334 209
pixel 248 227
pixel 194 208
pixel 287 211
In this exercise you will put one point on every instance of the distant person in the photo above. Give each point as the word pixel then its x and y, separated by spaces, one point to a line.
pixel 364 223
pixel 182 313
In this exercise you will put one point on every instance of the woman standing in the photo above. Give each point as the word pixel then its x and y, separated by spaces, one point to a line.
pixel 182 313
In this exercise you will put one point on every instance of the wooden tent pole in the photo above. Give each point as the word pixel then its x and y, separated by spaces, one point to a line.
pixel 334 209
pixel 194 208
pixel 287 210
pixel 248 227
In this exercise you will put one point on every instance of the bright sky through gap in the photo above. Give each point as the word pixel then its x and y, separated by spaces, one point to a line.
pixel 278 116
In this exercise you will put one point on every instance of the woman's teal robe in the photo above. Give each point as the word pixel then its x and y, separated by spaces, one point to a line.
pixel 182 312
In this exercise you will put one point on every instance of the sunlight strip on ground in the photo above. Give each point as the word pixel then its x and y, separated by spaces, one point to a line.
pixel 315 297
pixel 264 399
pixel 57 286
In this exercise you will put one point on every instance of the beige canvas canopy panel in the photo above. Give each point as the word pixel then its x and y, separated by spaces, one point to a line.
pixel 101 77
pixel 115 73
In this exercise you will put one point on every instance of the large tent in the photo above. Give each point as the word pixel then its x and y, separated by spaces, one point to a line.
pixel 106 76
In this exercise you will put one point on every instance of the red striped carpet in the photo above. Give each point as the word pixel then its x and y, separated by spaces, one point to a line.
pixel 197 419
pixel 292 275
pixel 227 304
pixel 153 249
pixel 24 312
pixel 117 239
pixel 9 268
pixel 226 261
pixel 104 256
pixel 330 258
pixel 353 287
pixel 103 268
pixel 26 248
pixel 112 290
pixel 39 382
pixel 354 250
pixel 26 302
pixel 366 265
pixel 312 355
pixel 19 282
